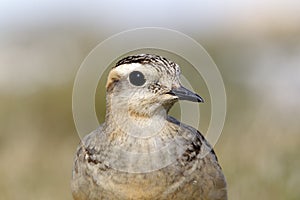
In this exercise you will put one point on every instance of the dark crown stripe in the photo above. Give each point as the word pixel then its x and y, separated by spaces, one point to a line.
pixel 156 61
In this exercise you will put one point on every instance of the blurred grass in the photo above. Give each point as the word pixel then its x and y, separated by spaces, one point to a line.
pixel 258 149
pixel 38 140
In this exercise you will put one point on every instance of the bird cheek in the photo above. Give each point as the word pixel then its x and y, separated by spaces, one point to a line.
pixel 113 77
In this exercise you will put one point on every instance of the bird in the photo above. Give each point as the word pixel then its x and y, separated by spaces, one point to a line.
pixel 139 151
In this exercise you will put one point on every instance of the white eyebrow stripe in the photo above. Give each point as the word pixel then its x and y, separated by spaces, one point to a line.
pixel 126 68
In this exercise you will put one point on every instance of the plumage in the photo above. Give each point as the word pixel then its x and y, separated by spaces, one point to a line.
pixel 140 152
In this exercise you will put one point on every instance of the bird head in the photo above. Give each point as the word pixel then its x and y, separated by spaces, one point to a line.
pixel 145 84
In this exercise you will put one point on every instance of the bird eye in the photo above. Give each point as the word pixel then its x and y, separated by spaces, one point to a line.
pixel 137 78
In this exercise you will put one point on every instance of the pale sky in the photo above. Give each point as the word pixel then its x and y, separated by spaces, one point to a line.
pixel 122 15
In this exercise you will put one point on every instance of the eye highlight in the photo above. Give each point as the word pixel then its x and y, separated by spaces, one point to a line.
pixel 137 78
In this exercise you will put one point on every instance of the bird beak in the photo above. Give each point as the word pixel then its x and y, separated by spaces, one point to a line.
pixel 184 94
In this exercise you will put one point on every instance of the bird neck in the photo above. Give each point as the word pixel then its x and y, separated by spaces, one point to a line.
pixel 132 117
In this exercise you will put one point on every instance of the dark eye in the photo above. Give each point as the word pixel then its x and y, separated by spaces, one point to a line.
pixel 137 78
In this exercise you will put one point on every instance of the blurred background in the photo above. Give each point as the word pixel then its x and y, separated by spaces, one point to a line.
pixel 255 44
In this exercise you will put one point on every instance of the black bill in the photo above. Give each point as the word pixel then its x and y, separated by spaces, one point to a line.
pixel 184 94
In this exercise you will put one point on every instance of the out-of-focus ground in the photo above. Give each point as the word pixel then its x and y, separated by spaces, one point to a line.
pixel 255 46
